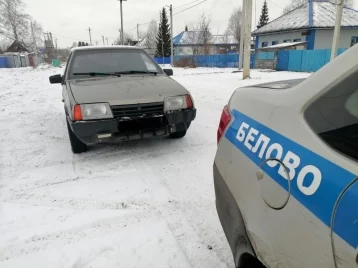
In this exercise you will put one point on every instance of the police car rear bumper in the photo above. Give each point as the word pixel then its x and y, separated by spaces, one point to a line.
pixel 231 219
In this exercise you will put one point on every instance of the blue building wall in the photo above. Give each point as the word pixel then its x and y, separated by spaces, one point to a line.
pixel 4 62
pixel 304 60
pixel 219 61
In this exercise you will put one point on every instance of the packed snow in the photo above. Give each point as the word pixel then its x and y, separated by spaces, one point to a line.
pixel 145 203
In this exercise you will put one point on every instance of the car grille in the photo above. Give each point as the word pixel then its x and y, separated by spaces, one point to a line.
pixel 138 110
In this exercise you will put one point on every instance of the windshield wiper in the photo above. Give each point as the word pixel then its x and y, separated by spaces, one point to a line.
pixel 139 72
pixel 96 73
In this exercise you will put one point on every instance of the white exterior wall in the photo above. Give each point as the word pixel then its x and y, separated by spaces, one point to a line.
pixel 280 37
pixel 324 38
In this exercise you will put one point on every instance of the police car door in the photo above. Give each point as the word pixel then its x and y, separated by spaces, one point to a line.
pixel 334 118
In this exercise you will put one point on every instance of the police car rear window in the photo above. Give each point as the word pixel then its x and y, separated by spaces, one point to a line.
pixel 281 84
pixel 334 117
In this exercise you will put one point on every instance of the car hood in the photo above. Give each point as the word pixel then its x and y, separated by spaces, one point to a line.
pixel 125 89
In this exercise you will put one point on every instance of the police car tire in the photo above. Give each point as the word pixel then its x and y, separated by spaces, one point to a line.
pixel 178 135
pixel 77 146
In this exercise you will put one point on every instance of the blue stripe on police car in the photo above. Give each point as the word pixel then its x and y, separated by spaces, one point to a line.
pixel 315 181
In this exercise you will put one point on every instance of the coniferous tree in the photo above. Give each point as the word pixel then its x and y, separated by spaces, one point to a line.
pixel 163 36
pixel 264 18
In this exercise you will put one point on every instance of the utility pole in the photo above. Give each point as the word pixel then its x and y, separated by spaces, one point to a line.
pixel 103 39
pixel 34 41
pixel 337 29
pixel 89 31
pixel 107 40
pixel 247 41
pixel 171 36
pixel 122 34
pixel 161 34
pixel 242 32
pixel 56 47
pixel 138 32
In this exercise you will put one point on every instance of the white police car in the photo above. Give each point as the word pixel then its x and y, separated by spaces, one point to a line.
pixel 286 170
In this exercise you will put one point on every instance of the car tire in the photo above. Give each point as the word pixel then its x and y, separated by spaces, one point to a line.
pixel 249 261
pixel 76 145
pixel 177 135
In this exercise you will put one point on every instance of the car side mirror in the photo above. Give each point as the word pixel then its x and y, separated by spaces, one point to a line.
pixel 169 72
pixel 55 79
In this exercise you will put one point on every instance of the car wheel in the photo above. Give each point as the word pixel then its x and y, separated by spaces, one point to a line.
pixel 249 261
pixel 76 145
pixel 178 135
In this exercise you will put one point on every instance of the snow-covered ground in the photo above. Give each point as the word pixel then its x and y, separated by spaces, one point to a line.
pixel 140 204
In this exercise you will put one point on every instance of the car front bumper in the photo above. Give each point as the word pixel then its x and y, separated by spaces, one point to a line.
pixel 114 130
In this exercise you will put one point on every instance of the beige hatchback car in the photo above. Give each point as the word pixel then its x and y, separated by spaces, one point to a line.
pixel 117 93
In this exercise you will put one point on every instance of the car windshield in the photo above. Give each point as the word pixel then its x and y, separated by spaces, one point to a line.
pixel 99 62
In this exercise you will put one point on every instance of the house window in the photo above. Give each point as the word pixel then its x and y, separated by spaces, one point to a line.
pixel 274 43
pixel 264 44
pixel 287 41
pixel 297 40
pixel 354 40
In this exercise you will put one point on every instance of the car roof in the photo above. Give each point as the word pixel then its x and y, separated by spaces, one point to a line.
pixel 104 48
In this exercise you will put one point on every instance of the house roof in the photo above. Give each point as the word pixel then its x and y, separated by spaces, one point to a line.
pixel 16 46
pixel 312 15
pixel 196 38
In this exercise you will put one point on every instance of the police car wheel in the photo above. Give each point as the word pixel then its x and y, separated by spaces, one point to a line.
pixel 178 135
pixel 249 261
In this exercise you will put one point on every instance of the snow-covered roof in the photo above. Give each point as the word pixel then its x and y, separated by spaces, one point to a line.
pixel 142 43
pixel 312 15
pixel 283 45
pixel 197 38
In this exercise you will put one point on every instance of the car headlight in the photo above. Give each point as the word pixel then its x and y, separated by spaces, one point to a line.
pixel 96 111
pixel 178 103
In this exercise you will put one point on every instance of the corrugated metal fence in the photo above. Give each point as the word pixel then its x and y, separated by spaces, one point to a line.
pixel 219 61
pixel 304 60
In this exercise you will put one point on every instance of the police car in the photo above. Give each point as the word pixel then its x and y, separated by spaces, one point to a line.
pixel 286 170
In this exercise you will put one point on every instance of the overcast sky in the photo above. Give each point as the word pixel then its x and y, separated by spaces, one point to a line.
pixel 69 20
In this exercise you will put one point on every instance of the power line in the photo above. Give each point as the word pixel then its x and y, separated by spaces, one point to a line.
pixel 71 38
pixel 272 2
pixel 190 7
pixel 186 4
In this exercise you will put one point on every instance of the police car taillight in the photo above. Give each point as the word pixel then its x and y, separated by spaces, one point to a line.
pixel 224 122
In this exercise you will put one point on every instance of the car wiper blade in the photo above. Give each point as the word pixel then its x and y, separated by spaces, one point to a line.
pixel 139 72
pixel 97 73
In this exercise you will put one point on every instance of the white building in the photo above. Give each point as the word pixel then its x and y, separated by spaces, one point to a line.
pixel 313 23
pixel 201 43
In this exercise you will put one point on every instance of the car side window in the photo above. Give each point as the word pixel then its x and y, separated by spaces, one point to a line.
pixel 334 116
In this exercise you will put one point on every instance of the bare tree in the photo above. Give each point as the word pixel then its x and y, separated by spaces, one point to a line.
pixel 204 25
pixel 13 19
pixel 4 44
pixel 151 36
pixel 297 3
pixel 234 27
pixel 38 33
pixel 127 39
